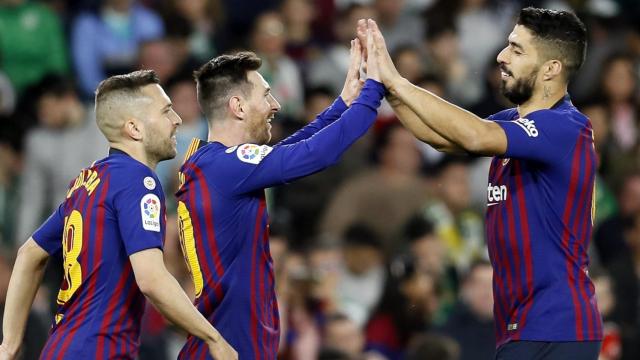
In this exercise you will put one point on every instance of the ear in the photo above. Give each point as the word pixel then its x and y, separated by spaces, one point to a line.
pixel 551 69
pixel 236 106
pixel 133 128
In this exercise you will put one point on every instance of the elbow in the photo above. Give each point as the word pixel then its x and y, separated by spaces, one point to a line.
pixel 147 285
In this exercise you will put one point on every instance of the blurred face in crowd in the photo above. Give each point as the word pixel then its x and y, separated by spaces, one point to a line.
pixel 298 11
pixel 360 259
pixel 477 291
pixel 261 107
pixel 519 63
pixel 159 56
pixel 429 253
pixel 160 123
pixel 420 290
pixel 597 114
pixel 269 34
pixel 619 81
pixel 401 152
pixel 344 335
pixel 315 105
pixel 57 111
pixel 409 64
pixel 630 196
pixel 453 186
pixel 185 101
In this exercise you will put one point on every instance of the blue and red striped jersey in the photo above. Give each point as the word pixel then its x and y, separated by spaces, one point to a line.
pixel 223 221
pixel 113 209
pixel 540 207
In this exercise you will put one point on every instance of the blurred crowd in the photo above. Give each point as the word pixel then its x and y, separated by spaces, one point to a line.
pixel 380 257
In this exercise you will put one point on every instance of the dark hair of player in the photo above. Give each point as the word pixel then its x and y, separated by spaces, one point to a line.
pixel 128 82
pixel 220 76
pixel 560 35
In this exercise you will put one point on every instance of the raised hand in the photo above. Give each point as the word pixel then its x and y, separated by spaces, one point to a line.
pixel 373 63
pixel 353 83
pixel 377 49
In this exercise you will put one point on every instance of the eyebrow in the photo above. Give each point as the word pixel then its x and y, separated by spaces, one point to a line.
pixel 515 44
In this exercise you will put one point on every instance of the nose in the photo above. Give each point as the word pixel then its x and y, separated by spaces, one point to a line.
pixel 177 121
pixel 502 56
pixel 275 105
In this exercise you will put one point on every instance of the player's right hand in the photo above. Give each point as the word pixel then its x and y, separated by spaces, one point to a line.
pixel 377 54
pixel 221 350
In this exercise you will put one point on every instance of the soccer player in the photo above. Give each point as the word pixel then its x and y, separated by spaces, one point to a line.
pixel 110 231
pixel 222 211
pixel 541 184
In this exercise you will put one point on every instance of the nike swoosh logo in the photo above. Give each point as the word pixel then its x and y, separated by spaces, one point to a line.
pixel 491 204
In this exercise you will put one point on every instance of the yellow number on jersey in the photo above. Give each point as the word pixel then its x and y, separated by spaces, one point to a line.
pixel 71 247
pixel 188 245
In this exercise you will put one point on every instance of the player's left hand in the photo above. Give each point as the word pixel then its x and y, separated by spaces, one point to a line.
pixel 353 83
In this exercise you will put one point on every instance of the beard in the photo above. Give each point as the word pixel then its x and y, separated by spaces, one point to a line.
pixel 160 148
pixel 261 133
pixel 521 91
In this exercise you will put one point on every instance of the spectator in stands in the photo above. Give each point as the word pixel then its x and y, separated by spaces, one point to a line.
pixel 459 225
pixel 51 151
pixel 471 321
pixel 32 42
pixel 268 39
pixel 385 197
pixel 362 276
pixel 405 311
pixel 106 42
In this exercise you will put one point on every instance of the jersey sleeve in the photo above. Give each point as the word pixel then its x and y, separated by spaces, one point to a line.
pixel 140 210
pixel 329 115
pixel 545 136
pixel 49 234
pixel 252 167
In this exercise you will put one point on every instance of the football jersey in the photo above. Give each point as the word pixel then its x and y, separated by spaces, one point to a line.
pixel 113 209
pixel 223 221
pixel 540 208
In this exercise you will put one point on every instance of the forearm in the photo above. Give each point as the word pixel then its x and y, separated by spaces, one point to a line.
pixel 420 130
pixel 23 285
pixel 328 116
pixel 461 127
pixel 171 301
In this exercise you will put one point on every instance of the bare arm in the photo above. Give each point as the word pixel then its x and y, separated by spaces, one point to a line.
pixel 164 292
pixel 413 123
pixel 25 280
pixel 451 122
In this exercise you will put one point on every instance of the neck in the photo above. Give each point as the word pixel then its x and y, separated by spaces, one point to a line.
pixel 227 132
pixel 136 152
pixel 543 98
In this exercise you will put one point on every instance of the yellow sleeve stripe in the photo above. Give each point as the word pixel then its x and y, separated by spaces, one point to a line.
pixel 193 147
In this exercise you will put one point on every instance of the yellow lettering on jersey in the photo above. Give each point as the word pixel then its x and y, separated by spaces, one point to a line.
pixel 188 245
pixel 71 247
pixel 87 178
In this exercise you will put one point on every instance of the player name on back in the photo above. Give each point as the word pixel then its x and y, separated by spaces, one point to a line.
pixel 88 179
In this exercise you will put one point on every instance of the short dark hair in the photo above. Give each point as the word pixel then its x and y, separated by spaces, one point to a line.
pixel 219 76
pixel 132 81
pixel 561 33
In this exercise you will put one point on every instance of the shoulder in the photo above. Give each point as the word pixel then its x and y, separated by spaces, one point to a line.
pixel 507 114
pixel 128 173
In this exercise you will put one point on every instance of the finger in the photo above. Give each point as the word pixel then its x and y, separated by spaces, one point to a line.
pixel 361 32
pixel 376 35
pixel 358 54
